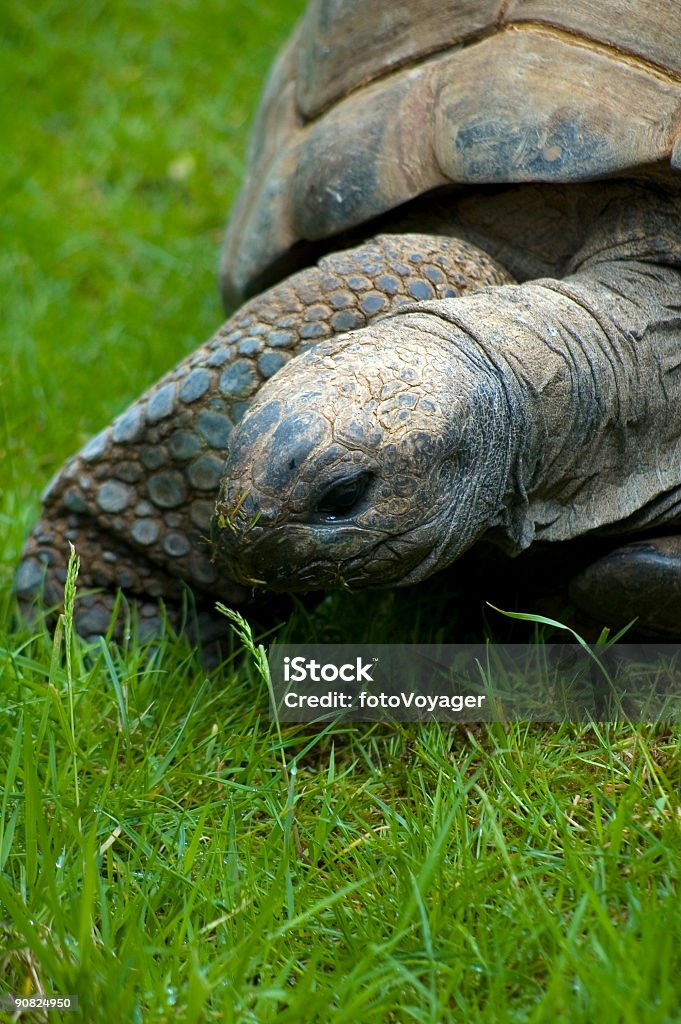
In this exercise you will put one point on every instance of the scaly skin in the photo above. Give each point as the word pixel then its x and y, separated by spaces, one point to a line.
pixel 137 501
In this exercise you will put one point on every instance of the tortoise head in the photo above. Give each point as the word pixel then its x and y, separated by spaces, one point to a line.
pixel 376 458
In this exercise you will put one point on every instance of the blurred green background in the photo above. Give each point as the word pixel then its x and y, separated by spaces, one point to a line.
pixel 124 126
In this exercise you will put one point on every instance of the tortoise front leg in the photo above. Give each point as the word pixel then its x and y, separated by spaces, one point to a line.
pixel 137 500
pixel 109 563
pixel 639 582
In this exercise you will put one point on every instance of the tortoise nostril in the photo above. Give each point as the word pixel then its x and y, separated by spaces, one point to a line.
pixel 344 496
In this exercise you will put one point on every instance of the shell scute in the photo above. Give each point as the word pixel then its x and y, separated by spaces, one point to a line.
pixel 530 105
pixel 345 45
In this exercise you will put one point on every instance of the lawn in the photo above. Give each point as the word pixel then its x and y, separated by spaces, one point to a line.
pixel 166 854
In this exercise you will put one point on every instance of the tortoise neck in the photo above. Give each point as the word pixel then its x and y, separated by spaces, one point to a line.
pixel 578 369
pixel 591 362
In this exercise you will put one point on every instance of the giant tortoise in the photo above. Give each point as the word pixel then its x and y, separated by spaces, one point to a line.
pixel 461 228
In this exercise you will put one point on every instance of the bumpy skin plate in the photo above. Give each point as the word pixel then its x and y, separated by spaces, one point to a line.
pixel 137 500
pixel 526 91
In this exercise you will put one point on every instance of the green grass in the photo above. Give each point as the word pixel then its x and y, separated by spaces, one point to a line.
pixel 165 853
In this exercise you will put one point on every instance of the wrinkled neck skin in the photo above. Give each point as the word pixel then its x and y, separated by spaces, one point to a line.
pixel 596 361
pixel 518 412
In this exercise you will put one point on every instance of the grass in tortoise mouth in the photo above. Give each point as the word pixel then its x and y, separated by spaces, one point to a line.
pixel 236 519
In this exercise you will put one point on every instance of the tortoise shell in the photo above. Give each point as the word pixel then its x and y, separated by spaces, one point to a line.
pixel 371 105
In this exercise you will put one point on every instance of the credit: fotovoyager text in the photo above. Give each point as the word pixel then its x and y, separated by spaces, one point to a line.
pixel 474 682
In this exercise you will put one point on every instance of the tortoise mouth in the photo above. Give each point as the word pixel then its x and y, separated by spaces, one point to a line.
pixel 298 557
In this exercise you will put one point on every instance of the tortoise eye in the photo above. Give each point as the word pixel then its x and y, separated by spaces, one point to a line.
pixel 340 499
